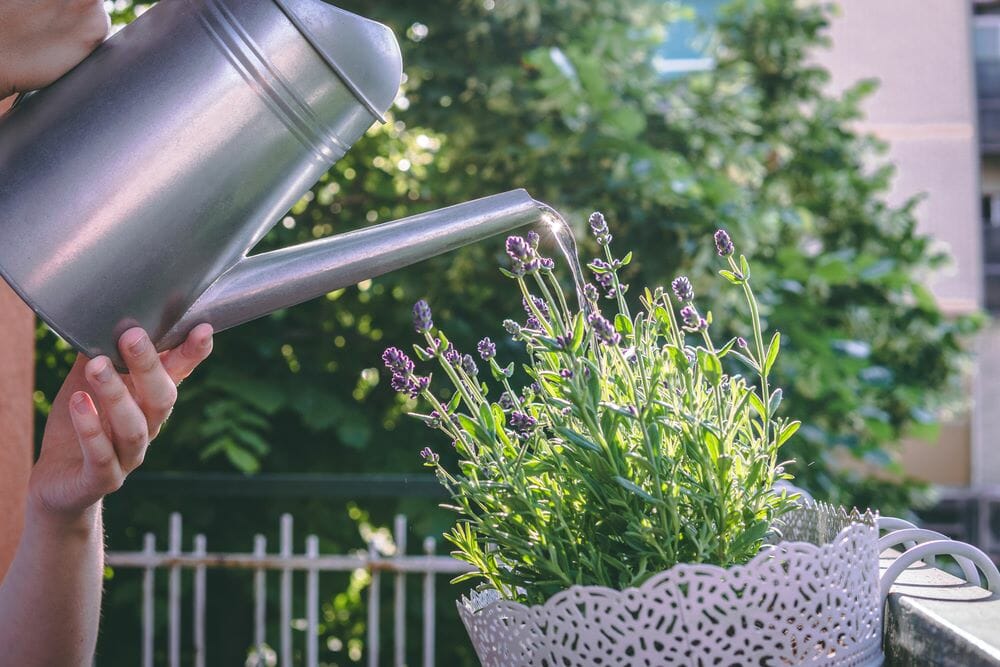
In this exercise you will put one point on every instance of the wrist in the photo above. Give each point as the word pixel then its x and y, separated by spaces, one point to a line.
pixel 64 523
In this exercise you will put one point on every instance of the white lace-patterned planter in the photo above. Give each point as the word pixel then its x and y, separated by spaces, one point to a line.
pixel 812 599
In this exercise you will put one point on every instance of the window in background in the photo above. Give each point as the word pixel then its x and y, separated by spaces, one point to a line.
pixel 686 48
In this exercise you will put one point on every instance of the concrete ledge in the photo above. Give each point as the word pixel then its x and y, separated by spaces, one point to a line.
pixel 934 618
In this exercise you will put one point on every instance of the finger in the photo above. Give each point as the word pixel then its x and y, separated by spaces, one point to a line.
pixel 101 468
pixel 183 359
pixel 129 433
pixel 154 388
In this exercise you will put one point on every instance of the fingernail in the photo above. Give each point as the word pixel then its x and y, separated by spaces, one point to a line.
pixel 103 374
pixel 139 345
pixel 79 402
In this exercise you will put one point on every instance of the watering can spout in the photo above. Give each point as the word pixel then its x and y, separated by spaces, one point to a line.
pixel 270 281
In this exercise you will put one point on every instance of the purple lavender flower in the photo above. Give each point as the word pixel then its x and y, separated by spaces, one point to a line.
pixel 429 455
pixel 682 289
pixel 422 321
pixel 540 305
pixel 400 383
pixel 511 327
pixel 469 365
pixel 418 384
pixel 742 342
pixel 518 249
pixel 533 323
pixel 506 401
pixel 603 329
pixel 487 349
pixel 566 373
pixel 535 387
pixel 607 284
pixel 590 293
pixel 723 244
pixel 397 361
pixel 533 239
pixel 546 263
pixel 599 226
pixel 522 423
pixel 453 356
pixel 692 320
pixel 690 316
pixel 522 255
pixel 435 420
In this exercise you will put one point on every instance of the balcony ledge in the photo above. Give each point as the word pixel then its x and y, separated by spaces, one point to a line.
pixel 934 618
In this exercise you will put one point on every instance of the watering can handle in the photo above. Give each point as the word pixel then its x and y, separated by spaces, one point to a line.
pixel 926 544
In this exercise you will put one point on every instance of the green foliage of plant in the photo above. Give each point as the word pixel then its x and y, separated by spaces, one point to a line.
pixel 631 450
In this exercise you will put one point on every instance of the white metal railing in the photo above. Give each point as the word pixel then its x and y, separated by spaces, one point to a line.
pixel 285 562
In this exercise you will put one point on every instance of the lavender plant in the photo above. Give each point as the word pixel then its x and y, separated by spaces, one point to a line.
pixel 630 449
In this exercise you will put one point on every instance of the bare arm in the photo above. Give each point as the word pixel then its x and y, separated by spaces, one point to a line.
pixel 98 431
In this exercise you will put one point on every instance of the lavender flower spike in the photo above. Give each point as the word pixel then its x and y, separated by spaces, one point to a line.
pixel 723 244
pixel 487 349
pixel 692 320
pixel 429 455
pixel 518 249
pixel 469 365
pixel 522 423
pixel 533 239
pixel 682 289
pixel 603 329
pixel 422 321
pixel 599 226
pixel 397 361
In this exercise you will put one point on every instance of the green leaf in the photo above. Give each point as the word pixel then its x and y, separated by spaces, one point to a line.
pixel 710 366
pixel 628 485
pixel 578 439
pixel 578 332
pixel 731 277
pixel 787 432
pixel 772 352
pixel 623 325
pixel 627 259
pixel 774 402
pixel 757 404
pixel 421 353
pixel 242 460
pixel 744 267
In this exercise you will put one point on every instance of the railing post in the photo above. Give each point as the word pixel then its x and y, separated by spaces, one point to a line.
pixel 148 581
pixel 259 599
pixel 429 604
pixel 174 594
pixel 286 591
pixel 312 604
pixel 199 603
pixel 399 601
pixel 373 610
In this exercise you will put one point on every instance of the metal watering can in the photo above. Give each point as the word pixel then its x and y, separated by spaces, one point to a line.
pixel 132 189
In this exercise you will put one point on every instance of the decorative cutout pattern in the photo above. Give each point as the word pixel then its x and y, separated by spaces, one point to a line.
pixel 811 599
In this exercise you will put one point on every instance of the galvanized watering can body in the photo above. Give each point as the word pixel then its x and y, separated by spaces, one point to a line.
pixel 132 189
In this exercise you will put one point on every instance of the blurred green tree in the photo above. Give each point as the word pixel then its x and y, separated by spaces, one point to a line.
pixel 561 97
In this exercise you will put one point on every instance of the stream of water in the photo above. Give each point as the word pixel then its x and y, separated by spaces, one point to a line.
pixel 563 235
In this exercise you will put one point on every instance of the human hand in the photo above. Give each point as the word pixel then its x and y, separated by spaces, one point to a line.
pixel 88 449
pixel 40 40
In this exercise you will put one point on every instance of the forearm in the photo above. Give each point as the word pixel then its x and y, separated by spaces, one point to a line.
pixel 50 598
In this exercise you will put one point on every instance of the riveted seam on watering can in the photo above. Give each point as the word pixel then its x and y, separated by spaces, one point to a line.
pixel 276 92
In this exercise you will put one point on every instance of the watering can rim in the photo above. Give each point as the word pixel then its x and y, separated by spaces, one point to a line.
pixel 331 61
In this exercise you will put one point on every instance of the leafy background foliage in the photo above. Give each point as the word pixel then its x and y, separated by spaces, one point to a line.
pixel 558 96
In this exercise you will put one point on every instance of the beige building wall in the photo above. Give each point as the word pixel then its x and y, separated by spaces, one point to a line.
pixel 925 107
